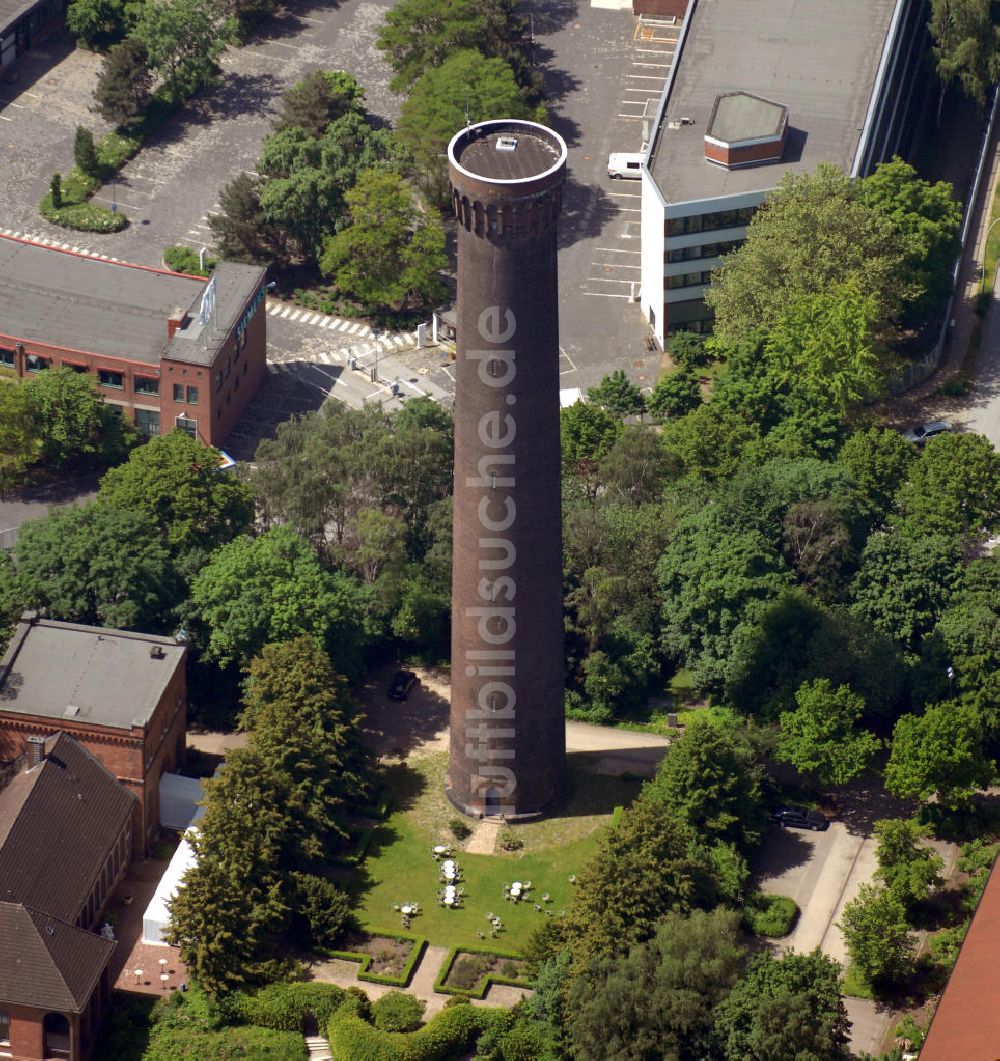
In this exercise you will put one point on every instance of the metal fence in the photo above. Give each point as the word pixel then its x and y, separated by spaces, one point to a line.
pixel 8 537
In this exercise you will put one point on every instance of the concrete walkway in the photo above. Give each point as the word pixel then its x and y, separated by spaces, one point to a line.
pixel 484 840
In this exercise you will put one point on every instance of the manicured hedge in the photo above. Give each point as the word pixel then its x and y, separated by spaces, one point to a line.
pixel 365 960
pixel 451 1032
pixel 285 1007
pixel 479 991
pixel 226 1044
pixel 769 915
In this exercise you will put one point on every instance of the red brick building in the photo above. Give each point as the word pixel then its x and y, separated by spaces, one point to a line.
pixel 170 350
pixel 65 842
pixel 122 695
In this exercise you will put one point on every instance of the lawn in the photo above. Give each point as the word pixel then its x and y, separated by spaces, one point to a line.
pixel 400 868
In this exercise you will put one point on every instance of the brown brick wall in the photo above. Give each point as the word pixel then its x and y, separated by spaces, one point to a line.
pixel 27 1037
pixel 738 156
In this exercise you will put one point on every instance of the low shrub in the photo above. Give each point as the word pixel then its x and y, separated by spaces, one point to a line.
pixel 115 149
pixel 510 842
pixel 183 259
pixel 227 1044
pixel 397 1011
pixel 286 1007
pixel 945 944
pixel 75 211
pixel 769 915
pixel 451 1032
pixel 460 828
pixel 854 984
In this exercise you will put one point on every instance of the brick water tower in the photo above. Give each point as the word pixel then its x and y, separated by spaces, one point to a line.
pixel 508 738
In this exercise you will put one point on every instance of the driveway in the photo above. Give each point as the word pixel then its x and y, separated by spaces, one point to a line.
pixel 34 502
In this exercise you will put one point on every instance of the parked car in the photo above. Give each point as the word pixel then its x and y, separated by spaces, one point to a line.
pixel 925 432
pixel 625 165
pixel 798 818
pixel 402 682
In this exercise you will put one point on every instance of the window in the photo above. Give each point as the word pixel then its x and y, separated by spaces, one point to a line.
pixel 6 358
pixel 4 1027
pixel 689 279
pixel 145 385
pixel 680 226
pixel 178 392
pixel 82 369
pixel 110 379
pixel 34 363
pixel 147 422
pixel 192 395
pixel 189 427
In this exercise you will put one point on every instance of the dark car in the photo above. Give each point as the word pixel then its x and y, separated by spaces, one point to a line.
pixel 402 682
pixel 798 818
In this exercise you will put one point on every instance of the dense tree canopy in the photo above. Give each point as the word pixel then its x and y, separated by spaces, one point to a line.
pixel 659 1000
pixel 876 933
pixel 906 867
pixel 788 1007
pixel 967 44
pixel 100 565
pixel 177 481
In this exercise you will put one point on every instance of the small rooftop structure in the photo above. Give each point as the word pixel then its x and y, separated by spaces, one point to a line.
pixel 507 151
pixel 113 678
pixel 745 130
pixel 821 61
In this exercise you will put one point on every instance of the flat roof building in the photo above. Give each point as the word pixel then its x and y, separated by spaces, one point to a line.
pixel 758 89
pixel 169 350
pixel 121 694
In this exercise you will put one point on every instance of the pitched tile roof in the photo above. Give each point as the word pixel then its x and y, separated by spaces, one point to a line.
pixel 58 823
pixel 48 964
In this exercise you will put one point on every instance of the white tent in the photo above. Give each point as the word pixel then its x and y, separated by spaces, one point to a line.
pixel 179 799
pixel 157 916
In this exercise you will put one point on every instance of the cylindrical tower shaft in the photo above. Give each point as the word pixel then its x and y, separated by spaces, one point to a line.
pixel 508 742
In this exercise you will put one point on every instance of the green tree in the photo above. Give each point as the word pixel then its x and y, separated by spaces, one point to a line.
pixel 906 867
pixel 100 565
pixel 822 737
pixel 710 440
pixel 788 1007
pixel 85 153
pixel 418 35
pixel 241 231
pixel 878 461
pixel 816 543
pixel 820 342
pixel 659 1000
pixel 77 425
pixel 642 870
pixel 97 23
pixel 713 580
pixel 123 89
pixel 618 395
pixel 953 489
pixel 816 233
pixel 966 44
pixel 711 780
pixel 588 433
pixel 20 434
pixel 389 257
pixel 55 190
pixel 687 350
pixel 970 631
pixel 877 935
pixel 255 591
pixel 178 482
pixel 230 912
pixel 320 98
pixel 928 217
pixel 904 583
pixel 466 87
pixel 675 394
pixel 183 40
pixel 376 544
pixel 939 753
pixel 636 467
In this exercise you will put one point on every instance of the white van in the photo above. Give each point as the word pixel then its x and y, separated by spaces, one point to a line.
pixel 625 164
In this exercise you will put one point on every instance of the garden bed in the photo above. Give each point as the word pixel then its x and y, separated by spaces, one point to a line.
pixel 470 971
pixel 384 959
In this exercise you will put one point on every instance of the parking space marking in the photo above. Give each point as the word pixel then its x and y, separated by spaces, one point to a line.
pixel 606 280
pixel 604 294
pixel 11 103
pixel 3 117
pixel 616 265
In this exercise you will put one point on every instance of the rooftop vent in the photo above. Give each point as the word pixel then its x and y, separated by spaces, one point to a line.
pixel 36 749
pixel 156 652
pixel 506 143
